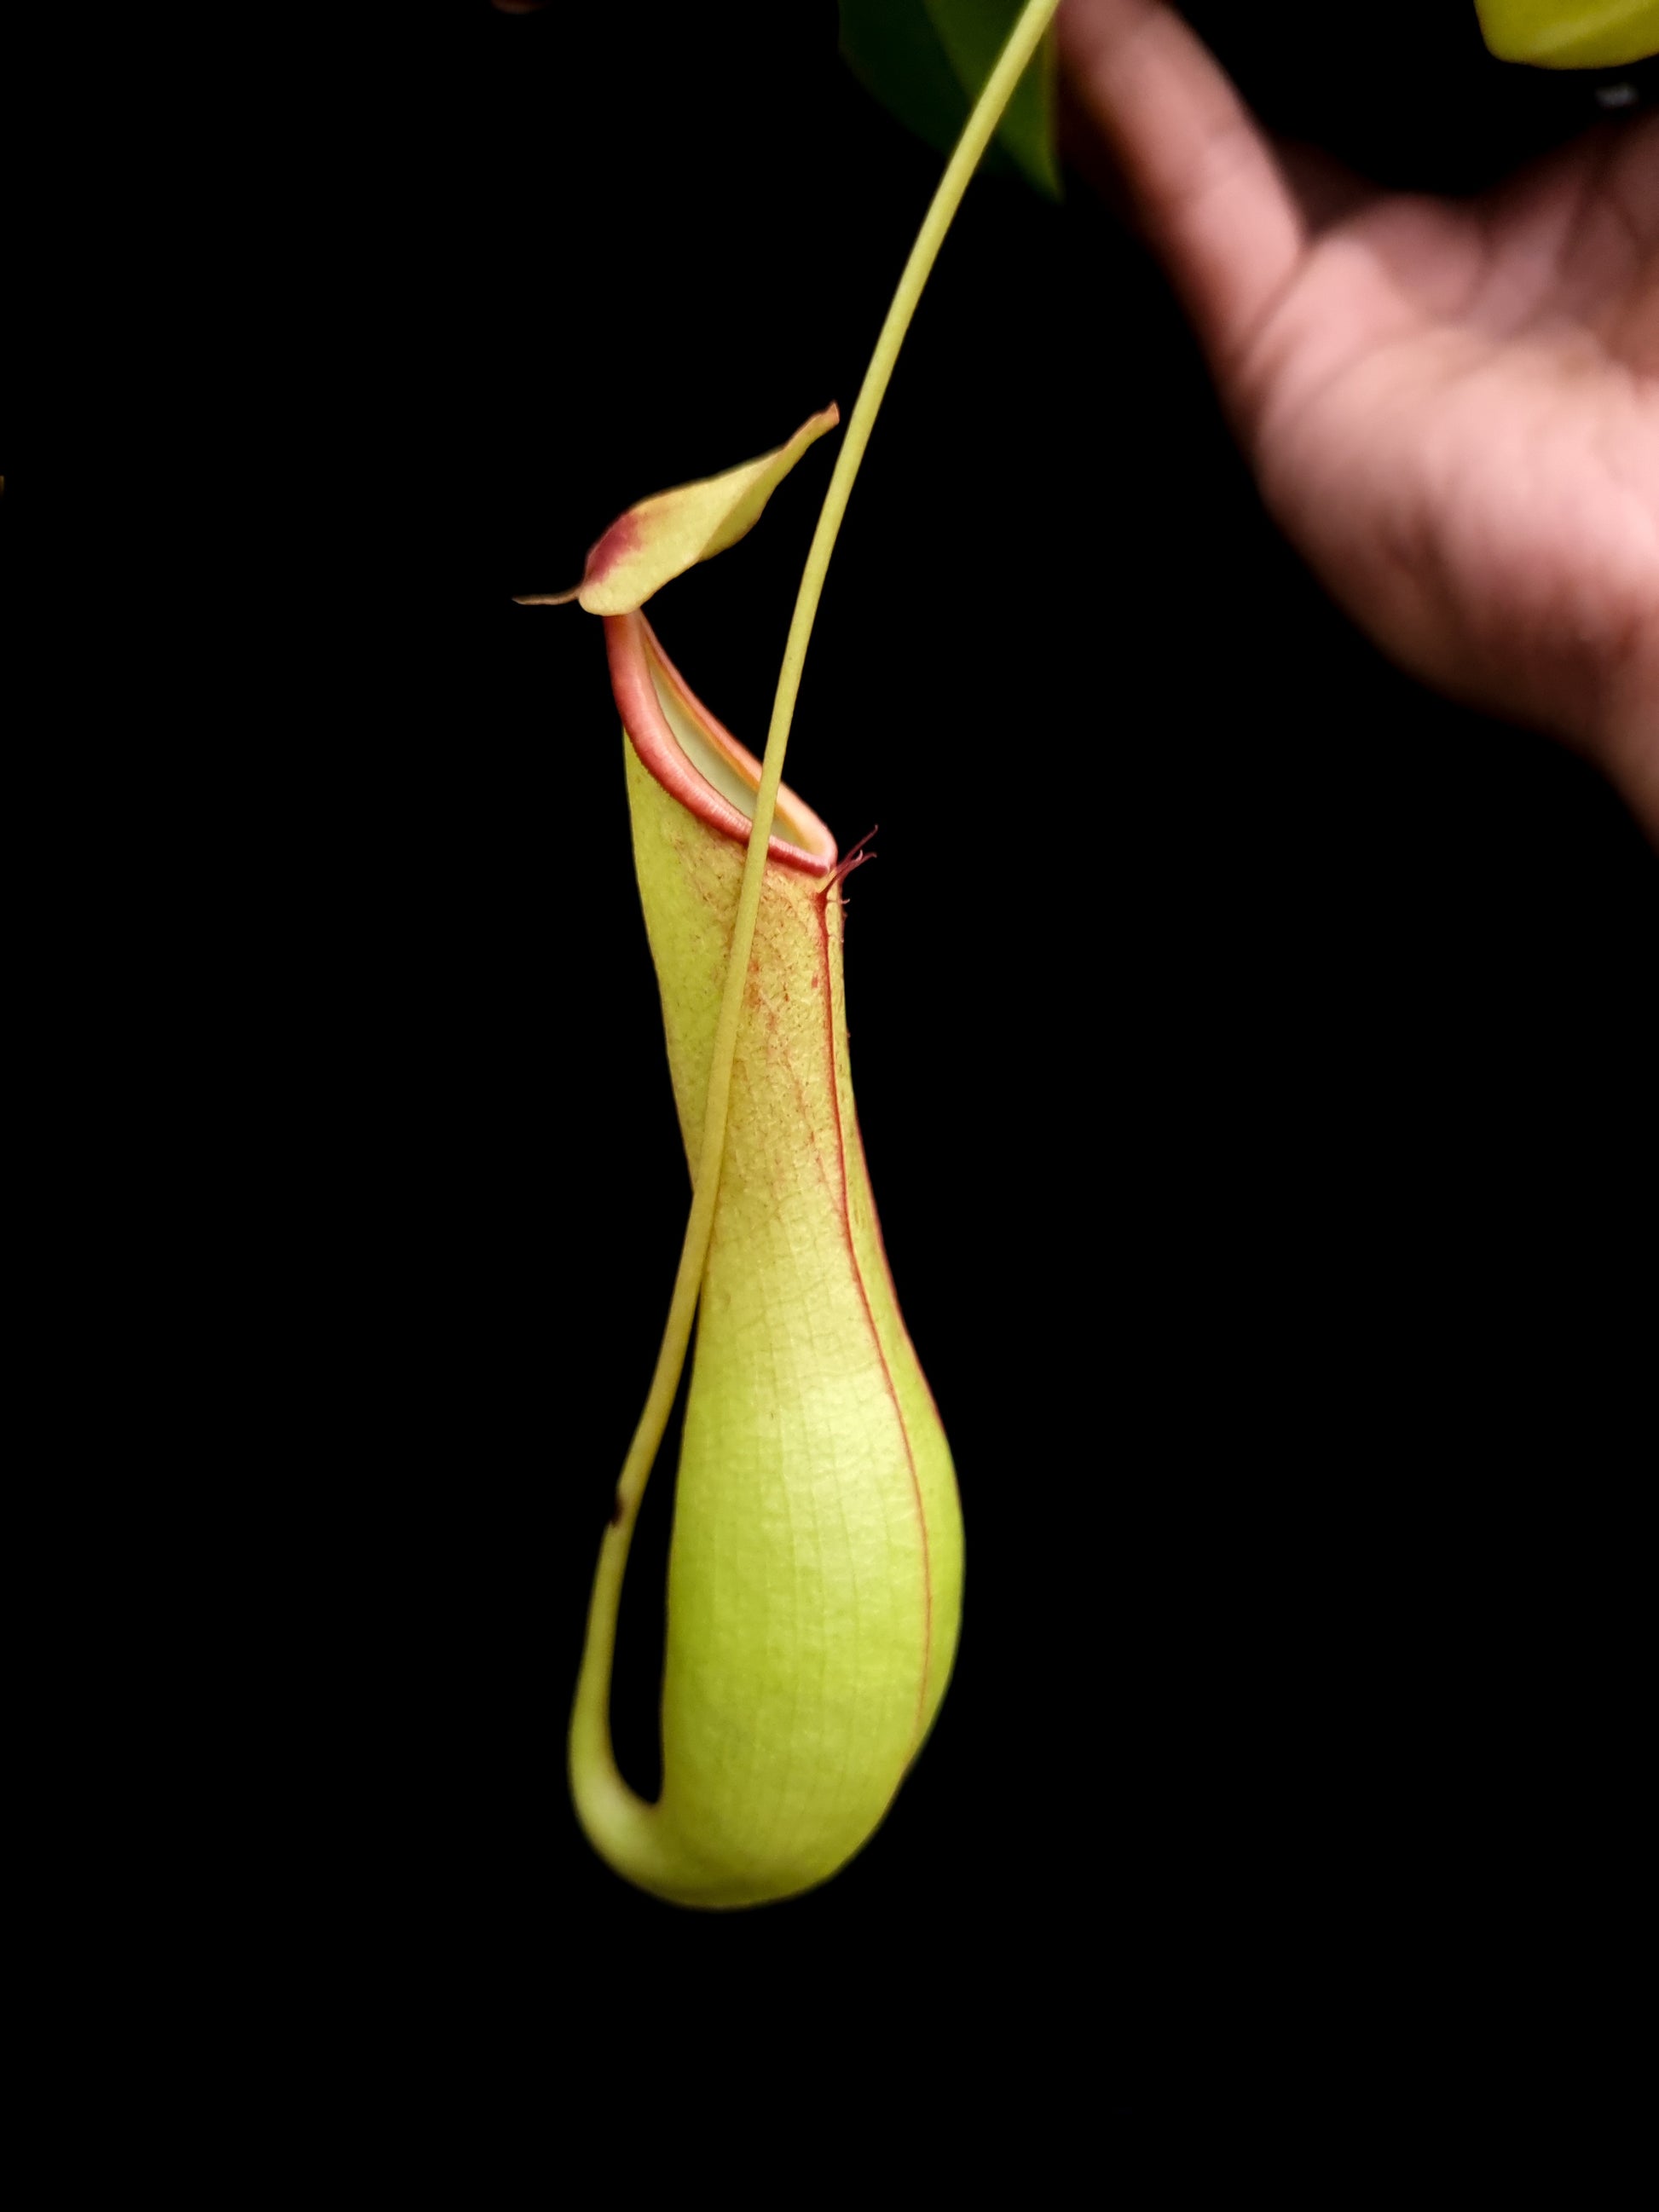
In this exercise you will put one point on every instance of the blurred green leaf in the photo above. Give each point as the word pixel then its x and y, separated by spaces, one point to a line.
pixel 925 60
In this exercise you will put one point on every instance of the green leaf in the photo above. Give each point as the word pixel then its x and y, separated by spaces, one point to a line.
pixel 925 60
pixel 1571 33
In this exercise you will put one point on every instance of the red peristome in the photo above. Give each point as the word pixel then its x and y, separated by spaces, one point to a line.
pixel 632 649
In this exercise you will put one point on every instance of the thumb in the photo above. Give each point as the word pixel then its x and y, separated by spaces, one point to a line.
pixel 1207 192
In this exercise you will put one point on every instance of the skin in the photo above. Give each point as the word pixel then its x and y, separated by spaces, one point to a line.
pixel 1451 407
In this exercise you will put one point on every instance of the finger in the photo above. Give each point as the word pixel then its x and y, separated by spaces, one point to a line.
pixel 1086 154
pixel 1207 190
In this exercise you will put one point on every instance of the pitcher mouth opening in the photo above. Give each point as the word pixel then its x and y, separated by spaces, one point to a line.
pixel 696 758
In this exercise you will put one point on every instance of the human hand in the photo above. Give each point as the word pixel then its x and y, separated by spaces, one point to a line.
pixel 1451 407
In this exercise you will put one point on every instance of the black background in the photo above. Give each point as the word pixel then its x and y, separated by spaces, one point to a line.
pixel 1250 1050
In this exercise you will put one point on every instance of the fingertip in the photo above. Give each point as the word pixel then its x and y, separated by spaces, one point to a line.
pixel 1208 192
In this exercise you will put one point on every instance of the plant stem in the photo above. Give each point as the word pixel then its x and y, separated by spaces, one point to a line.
pixel 590 1730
